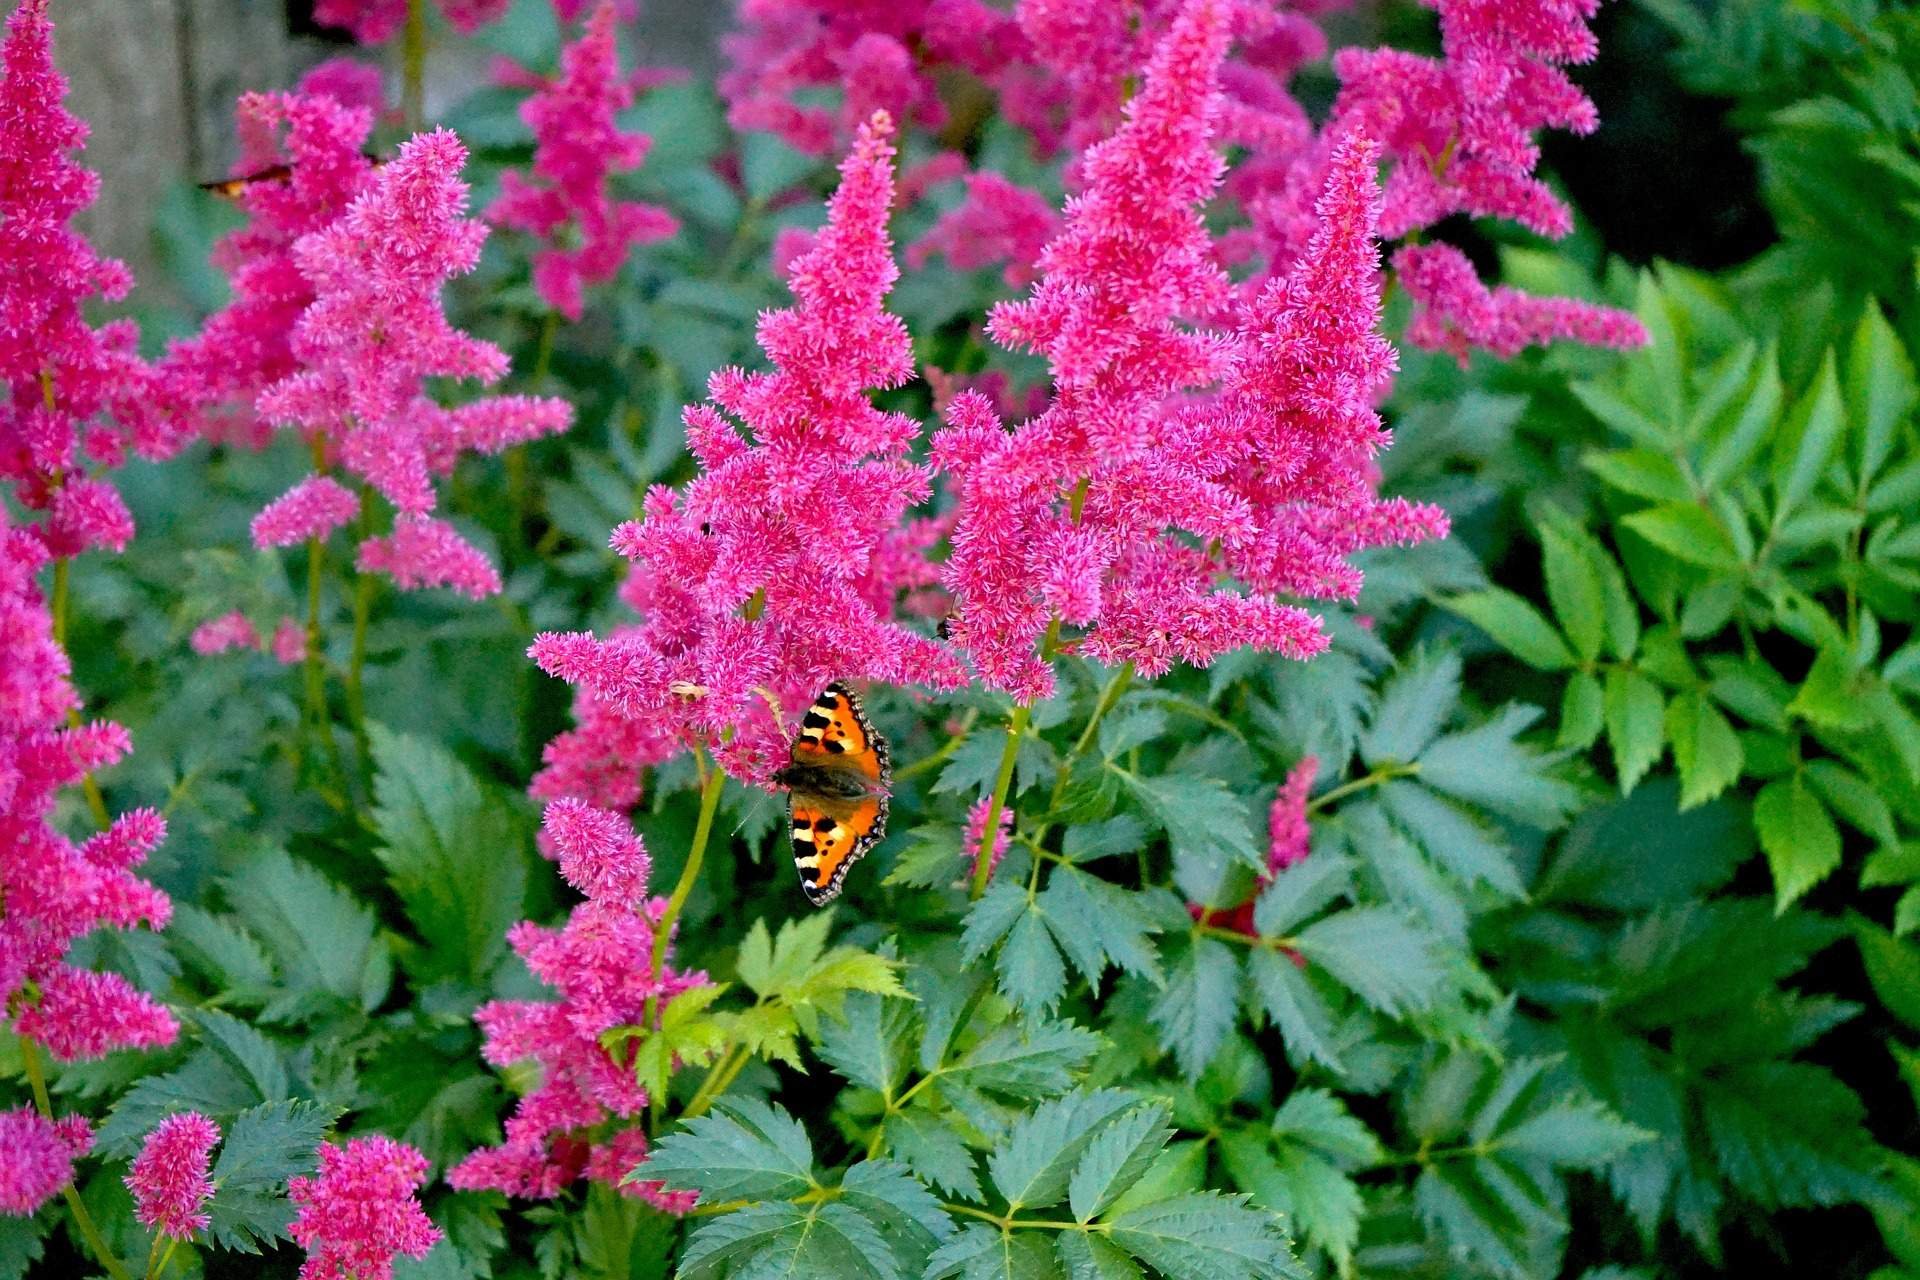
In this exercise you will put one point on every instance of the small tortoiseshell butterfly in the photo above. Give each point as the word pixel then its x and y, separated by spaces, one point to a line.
pixel 232 188
pixel 836 791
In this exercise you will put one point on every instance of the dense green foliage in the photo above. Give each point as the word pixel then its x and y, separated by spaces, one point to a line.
pixel 1603 958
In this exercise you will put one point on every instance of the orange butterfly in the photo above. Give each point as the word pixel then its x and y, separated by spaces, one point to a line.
pixel 836 791
pixel 232 187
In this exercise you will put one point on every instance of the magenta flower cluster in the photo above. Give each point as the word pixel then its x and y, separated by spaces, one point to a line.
pixel 578 148
pixel 360 1211
pixel 169 1179
pixel 582 1120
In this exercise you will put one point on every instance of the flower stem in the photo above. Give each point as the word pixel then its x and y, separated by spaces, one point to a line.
pixel 1016 726
pixel 363 588
pixel 1385 773
pixel 703 828
pixel 36 1077
pixel 413 67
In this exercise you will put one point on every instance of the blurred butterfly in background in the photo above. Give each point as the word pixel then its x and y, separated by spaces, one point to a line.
pixel 232 188
pixel 836 785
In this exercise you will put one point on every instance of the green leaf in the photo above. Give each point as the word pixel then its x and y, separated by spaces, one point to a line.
pixel 1031 1168
pixel 742 1150
pixel 1320 1201
pixel 1414 706
pixel 22 1241
pixel 1300 892
pixel 455 855
pixel 1319 1121
pixel 206 1082
pixel 1574 1134
pixel 1376 954
pixel 1806 441
pixel 1197 1009
pixel 934 1152
pixel 1515 626
pixel 1705 748
pixel 989 918
pixel 322 940
pixel 816 1241
pixel 1881 390
pixel 1831 695
pixel 1116 1158
pixel 263 1147
pixel 978 1252
pixel 218 947
pixel 1088 1257
pixel 1644 473
pixel 1097 923
pixel 1304 1021
pixel 1582 712
pixel 1574 588
pixel 1893 967
pixel 687 1037
pixel 1789 1134
pixel 769 167
pixel 1032 974
pixel 1030 1060
pixel 1206 824
pixel 1687 532
pixel 1451 838
pixel 868 1044
pixel 1801 843
pixel 908 1216
pixel 1486 766
pixel 1205 1234
pixel 1634 724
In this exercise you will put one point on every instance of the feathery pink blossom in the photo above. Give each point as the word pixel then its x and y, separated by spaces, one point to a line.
pixel 232 630
pixel 600 964
pixel 999 222
pixel 1288 835
pixel 1454 312
pixel 36 1157
pixel 57 891
pixel 373 335
pixel 289 642
pixel 348 81
pixel 247 345
pixel 578 147
pixel 779 565
pixel 75 395
pixel 974 839
pixel 313 508
pixel 360 1210
pixel 1076 514
pixel 378 21
pixel 169 1178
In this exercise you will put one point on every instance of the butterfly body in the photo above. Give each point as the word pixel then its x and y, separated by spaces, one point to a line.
pixel 836 779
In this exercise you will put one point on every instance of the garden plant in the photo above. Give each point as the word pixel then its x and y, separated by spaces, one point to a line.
pixel 1082 639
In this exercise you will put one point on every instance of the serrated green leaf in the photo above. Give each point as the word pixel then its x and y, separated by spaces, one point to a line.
pixel 686 1036
pixel 1705 748
pixel 205 1082
pixel 321 938
pixel 256 1059
pixel 1515 626
pixel 1205 823
pixel 803 1242
pixel 1880 392
pixel 868 1043
pixel 1197 1009
pixel 1097 923
pixel 262 1148
pixel 1028 1061
pixel 1582 712
pixel 1573 1135
pixel 1807 439
pixel 1796 831
pixel 1205 1234
pixel 1893 967
pixel 1574 589
pixel 1687 532
pixel 909 1218
pixel 1486 766
pixel 1415 705
pixel 1451 838
pixel 1789 1134
pixel 1304 1021
pixel 934 1152
pixel 1376 954
pixel 1320 1201
pixel 1032 1166
pixel 1115 1159
pixel 1319 1121
pixel 1635 724
pixel 742 1150
pixel 455 854
pixel 989 918
pixel 1300 892
pixel 977 1252
pixel 22 1241
pixel 217 946
pixel 1032 974
pixel 1088 1257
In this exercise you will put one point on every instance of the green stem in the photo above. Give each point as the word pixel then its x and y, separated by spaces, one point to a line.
pixel 36 1077
pixel 1385 773
pixel 719 1079
pixel 939 757
pixel 1016 726
pixel 363 589
pixel 413 67
pixel 703 828
pixel 316 677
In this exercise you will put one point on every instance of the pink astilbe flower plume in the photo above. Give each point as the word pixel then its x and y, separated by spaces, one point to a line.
pixel 313 508
pixel 1076 514
pixel 74 395
pixel 1454 312
pixel 778 567
pixel 373 335
pixel 169 1178
pixel 999 222
pixel 1290 838
pixel 1299 426
pixel 248 345
pixel 36 1157
pixel 578 147
pixel 378 21
pixel 601 965
pixel 56 891
pixel 360 1211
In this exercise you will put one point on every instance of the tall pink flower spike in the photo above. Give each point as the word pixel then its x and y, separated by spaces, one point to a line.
pixel 779 566
pixel 583 1118
pixel 75 396
pixel 578 147
pixel 366 345
pixel 378 21
pixel 1074 514
pixel 169 1178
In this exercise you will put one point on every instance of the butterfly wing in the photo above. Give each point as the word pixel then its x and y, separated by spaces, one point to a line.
pixel 836 733
pixel 826 845
pixel 831 832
